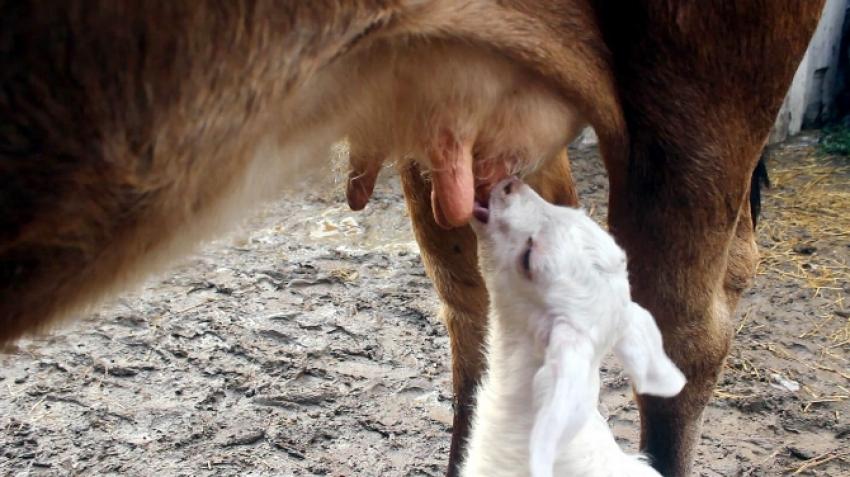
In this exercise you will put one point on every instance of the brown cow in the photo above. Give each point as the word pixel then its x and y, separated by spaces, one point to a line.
pixel 128 129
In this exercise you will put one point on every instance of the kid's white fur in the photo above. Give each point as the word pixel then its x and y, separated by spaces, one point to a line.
pixel 555 313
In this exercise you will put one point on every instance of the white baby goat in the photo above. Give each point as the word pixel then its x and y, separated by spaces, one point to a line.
pixel 559 302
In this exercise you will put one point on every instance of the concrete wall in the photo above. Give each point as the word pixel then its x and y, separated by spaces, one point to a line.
pixel 816 84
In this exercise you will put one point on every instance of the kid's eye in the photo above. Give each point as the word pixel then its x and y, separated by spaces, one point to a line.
pixel 525 260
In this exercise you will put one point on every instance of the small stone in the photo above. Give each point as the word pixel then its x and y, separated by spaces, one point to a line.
pixel 801 454
pixel 441 414
pixel 246 438
pixel 805 249
pixel 781 382
pixel 117 371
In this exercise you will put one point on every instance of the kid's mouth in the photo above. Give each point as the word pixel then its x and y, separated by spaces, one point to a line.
pixel 481 211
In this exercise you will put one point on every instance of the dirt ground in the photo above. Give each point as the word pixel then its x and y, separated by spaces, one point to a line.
pixel 308 343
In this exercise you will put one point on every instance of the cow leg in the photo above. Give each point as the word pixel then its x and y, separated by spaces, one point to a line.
pixel 451 263
pixel 691 253
pixel 700 84
pixel 450 260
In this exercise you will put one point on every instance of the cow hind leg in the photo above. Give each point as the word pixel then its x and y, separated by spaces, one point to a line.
pixel 689 271
pixel 678 202
pixel 670 428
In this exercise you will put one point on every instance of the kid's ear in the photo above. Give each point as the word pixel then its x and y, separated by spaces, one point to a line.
pixel 562 395
pixel 641 352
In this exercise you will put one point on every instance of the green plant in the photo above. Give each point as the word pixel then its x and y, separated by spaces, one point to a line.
pixel 835 140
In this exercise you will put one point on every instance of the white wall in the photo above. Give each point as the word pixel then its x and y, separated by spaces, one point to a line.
pixel 811 95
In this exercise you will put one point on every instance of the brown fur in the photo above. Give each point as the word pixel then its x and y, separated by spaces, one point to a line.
pixel 701 84
pixel 127 127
